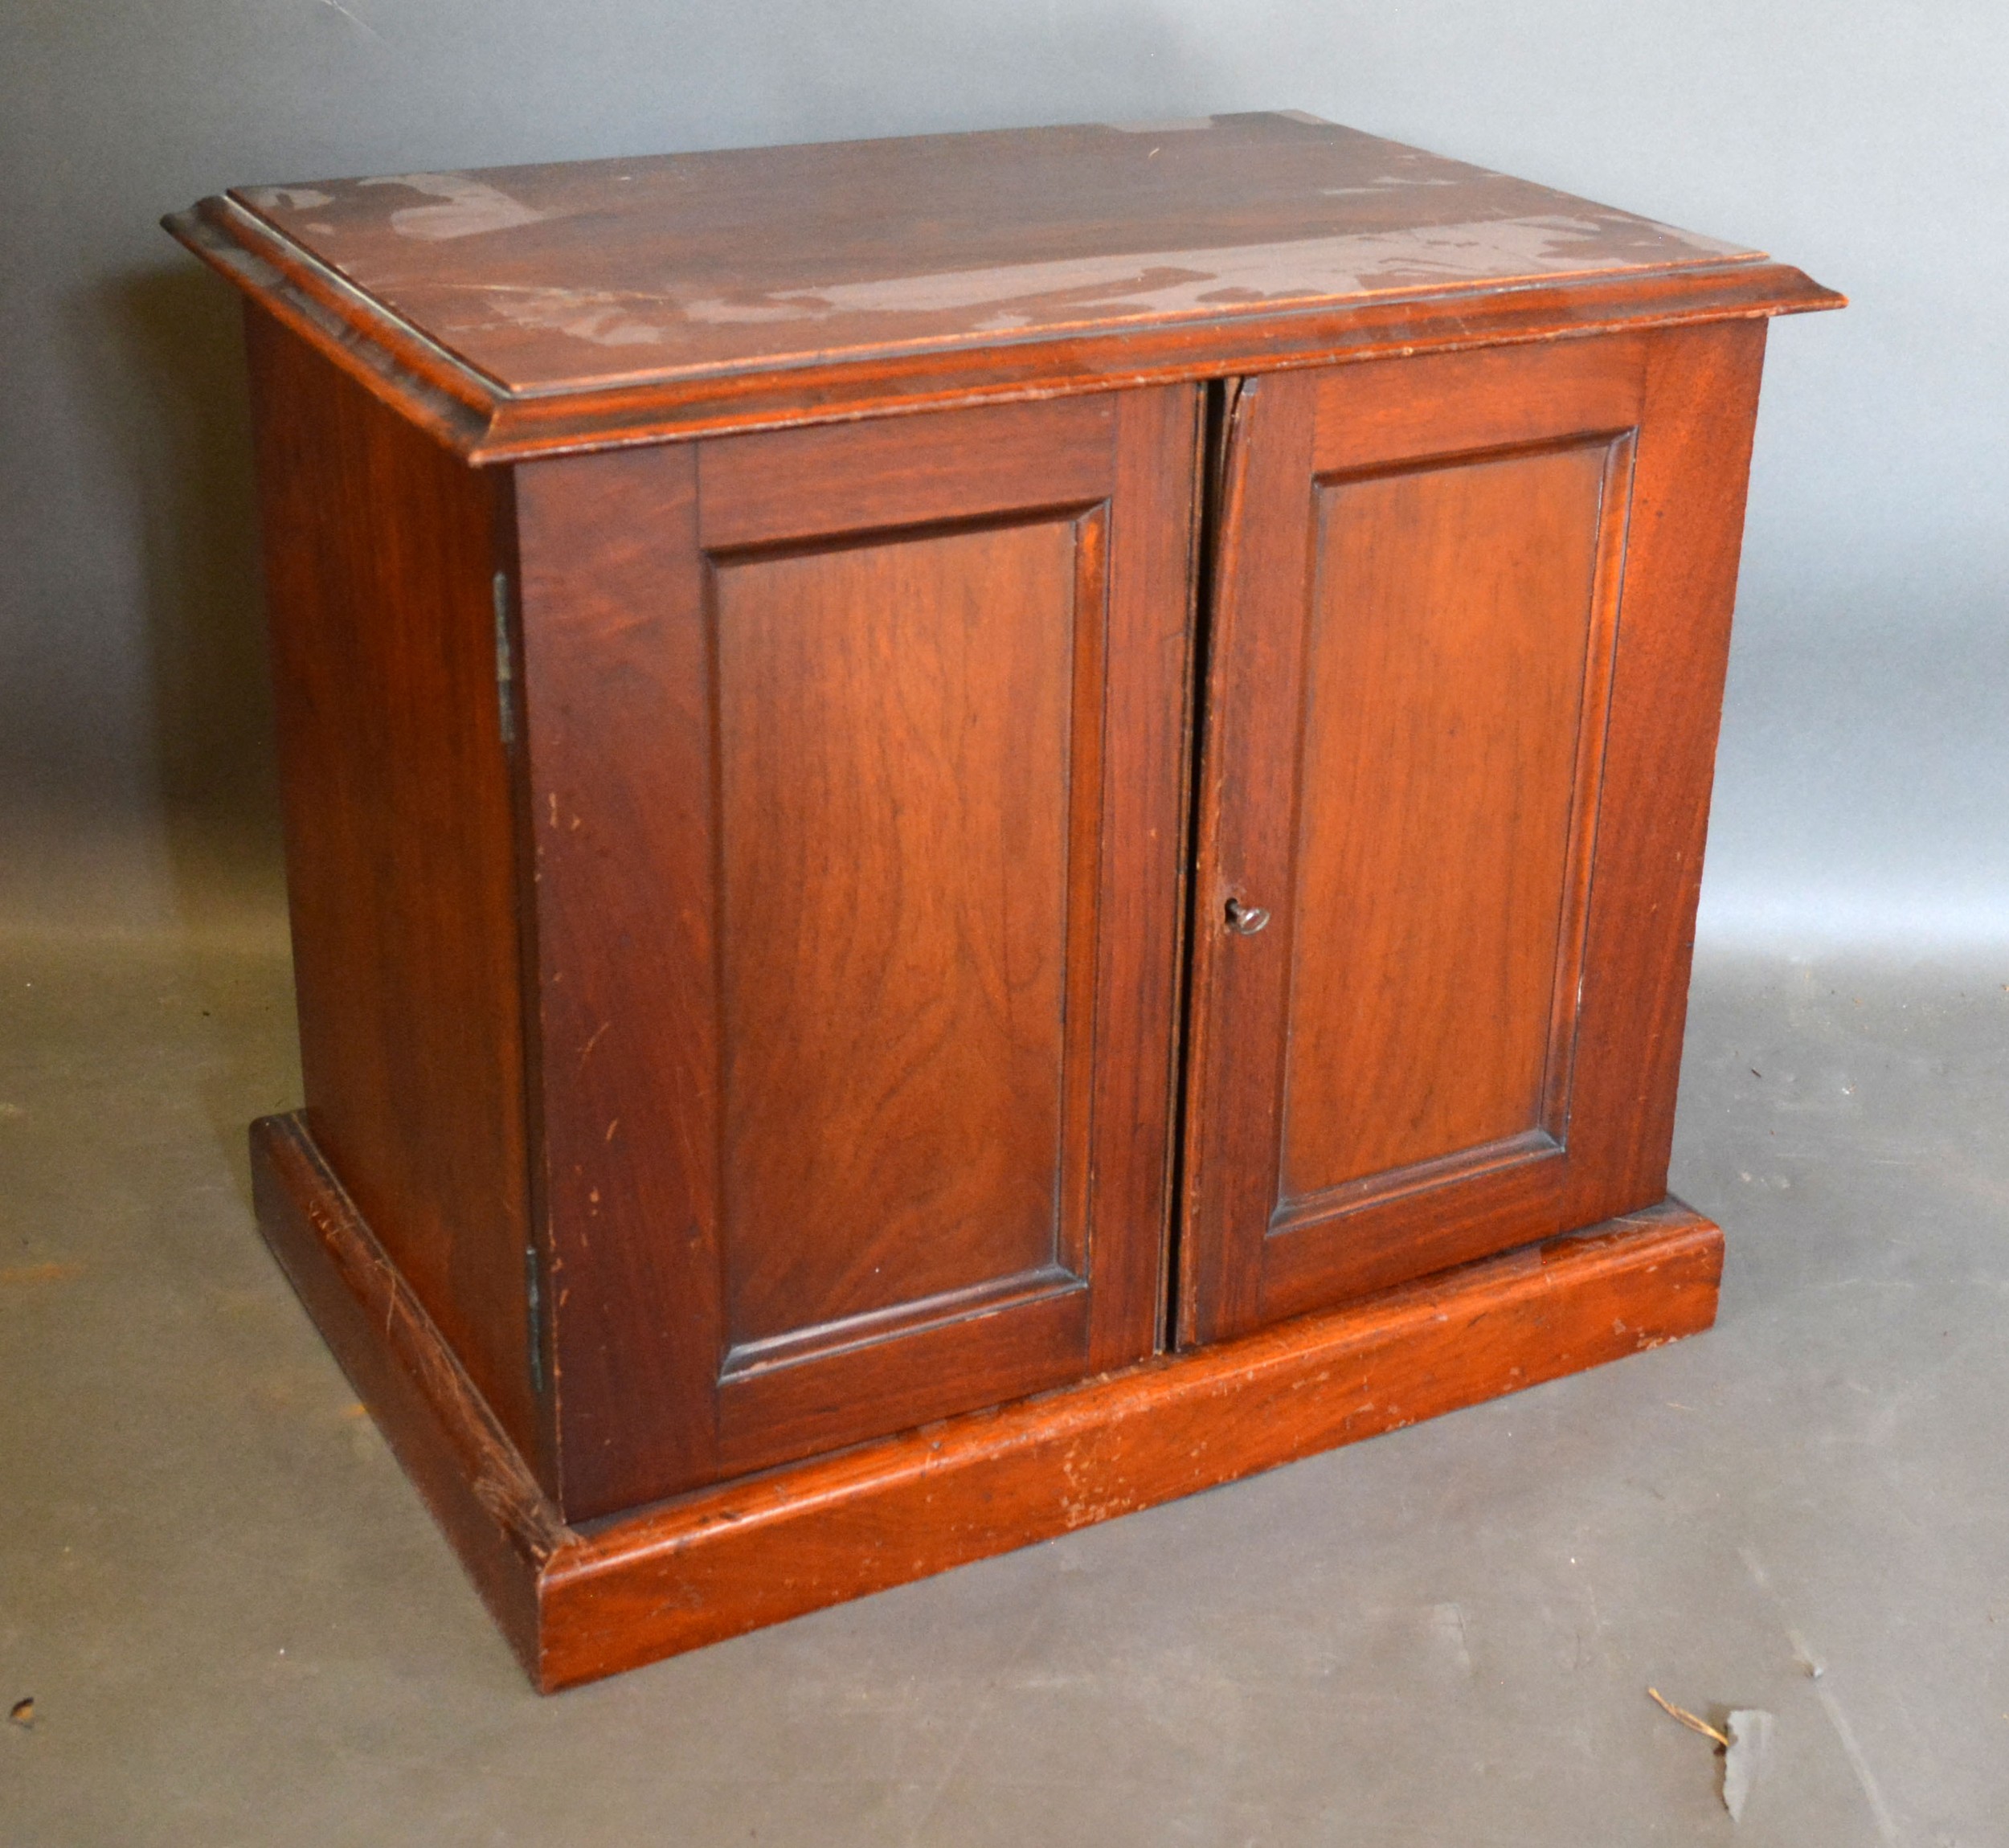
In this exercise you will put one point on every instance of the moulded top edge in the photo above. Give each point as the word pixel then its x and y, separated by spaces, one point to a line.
pixel 528 293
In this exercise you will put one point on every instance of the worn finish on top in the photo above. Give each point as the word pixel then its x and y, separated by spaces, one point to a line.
pixel 554 279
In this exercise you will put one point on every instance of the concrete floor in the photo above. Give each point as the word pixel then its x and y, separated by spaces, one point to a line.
pixel 238 1626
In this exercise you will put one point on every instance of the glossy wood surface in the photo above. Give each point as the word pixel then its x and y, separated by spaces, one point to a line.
pixel 518 310
pixel 380 551
pixel 1435 627
pixel 1449 633
pixel 735 621
pixel 896 741
pixel 829 810
pixel 469 1472
pixel 577 1604
pixel 581 274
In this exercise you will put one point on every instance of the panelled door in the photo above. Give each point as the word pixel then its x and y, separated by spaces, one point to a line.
pixel 854 761
pixel 1471 615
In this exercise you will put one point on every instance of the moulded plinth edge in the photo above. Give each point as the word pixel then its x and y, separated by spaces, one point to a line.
pixel 580 1603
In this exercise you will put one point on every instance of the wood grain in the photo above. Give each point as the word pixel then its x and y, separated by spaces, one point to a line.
pixel 381 549
pixel 806 484
pixel 1454 859
pixel 894 735
pixel 963 1490
pixel 471 1475
pixel 534 309
pixel 1697 421
pixel 744 896
pixel 581 274
pixel 1450 629
pixel 1264 567
pixel 580 1604
pixel 828 804
pixel 616 679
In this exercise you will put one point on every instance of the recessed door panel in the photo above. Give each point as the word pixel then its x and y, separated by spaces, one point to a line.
pixel 1450 627
pixel 1470 617
pixel 896 799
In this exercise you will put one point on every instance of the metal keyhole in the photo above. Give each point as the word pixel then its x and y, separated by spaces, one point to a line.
pixel 1247 918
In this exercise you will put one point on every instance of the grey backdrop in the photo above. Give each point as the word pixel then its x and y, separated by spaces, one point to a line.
pixel 1864 764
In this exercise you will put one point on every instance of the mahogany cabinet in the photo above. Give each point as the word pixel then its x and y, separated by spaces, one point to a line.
pixel 980 829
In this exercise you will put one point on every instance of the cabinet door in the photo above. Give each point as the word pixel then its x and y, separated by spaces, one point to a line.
pixel 855 778
pixel 1471 615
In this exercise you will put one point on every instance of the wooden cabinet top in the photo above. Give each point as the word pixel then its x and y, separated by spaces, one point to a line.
pixel 523 310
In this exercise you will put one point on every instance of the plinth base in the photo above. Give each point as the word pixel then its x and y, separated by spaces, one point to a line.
pixel 580 1603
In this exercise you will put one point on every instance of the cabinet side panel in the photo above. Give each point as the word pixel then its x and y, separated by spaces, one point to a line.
pixel 380 552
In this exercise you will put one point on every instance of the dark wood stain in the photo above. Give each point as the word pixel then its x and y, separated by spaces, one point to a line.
pixel 1450 634
pixel 578 1604
pixel 804 995
pixel 520 310
pixel 1697 416
pixel 828 807
pixel 893 1013
pixel 380 550
pixel 584 274
pixel 1560 1119
pixel 618 719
